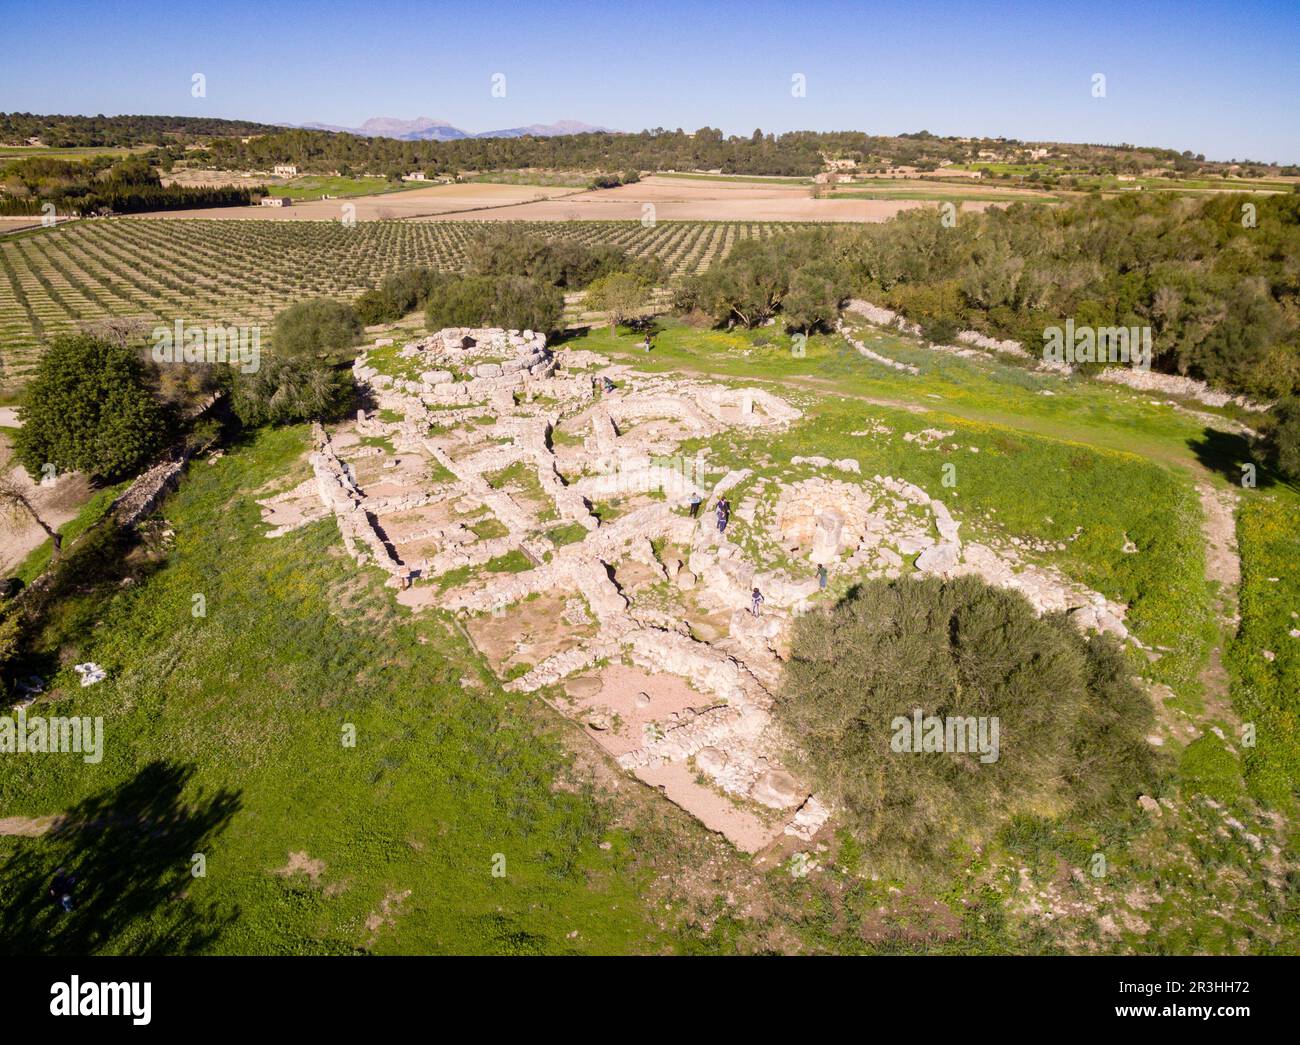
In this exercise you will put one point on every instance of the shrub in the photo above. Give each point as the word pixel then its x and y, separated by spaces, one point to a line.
pixel 284 391
pixel 373 306
pixel 89 408
pixel 316 328
pixel 513 302
pixel 817 290
pixel 620 294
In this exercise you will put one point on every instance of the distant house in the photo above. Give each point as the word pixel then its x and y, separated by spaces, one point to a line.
pixel 285 170
pixel 415 176
pixel 276 201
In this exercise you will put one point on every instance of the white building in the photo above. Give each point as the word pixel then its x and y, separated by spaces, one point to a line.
pixel 285 170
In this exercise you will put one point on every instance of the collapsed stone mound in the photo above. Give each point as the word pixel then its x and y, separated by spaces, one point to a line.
pixel 464 364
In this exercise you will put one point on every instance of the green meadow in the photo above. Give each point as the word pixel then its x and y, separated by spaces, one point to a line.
pixel 226 735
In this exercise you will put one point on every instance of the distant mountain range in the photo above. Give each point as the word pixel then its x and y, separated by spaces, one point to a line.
pixel 422 128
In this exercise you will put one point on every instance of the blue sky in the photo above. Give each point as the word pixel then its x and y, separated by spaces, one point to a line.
pixel 1217 78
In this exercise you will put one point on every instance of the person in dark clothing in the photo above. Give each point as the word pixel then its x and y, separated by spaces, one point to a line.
pixel 755 602
pixel 696 501
pixel 821 576
pixel 61 889
pixel 646 343
pixel 724 514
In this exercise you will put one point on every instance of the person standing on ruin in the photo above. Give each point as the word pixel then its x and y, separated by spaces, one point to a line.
pixel 755 602
pixel 724 514
pixel 696 501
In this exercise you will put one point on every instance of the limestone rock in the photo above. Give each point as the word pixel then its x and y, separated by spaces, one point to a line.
pixel 777 789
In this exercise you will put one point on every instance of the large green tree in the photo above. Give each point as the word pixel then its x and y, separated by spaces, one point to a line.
pixel 89 408
pixel 1070 723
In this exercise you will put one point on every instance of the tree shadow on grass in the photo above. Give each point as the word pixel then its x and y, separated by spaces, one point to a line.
pixel 1225 453
pixel 124 855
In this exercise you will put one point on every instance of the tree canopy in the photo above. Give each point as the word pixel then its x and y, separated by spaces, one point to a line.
pixel 1071 725
pixel 316 328
pixel 89 408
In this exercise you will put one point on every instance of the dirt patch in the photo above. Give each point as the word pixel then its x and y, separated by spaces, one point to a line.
pixel 743 828
pixel 1222 563
pixel 621 705
pixel 529 632
pixel 301 863
pixel 293 509
pixel 472 200
pixel 27 827
pixel 1222 566
pixel 673 199
pixel 387 914
pixel 57 503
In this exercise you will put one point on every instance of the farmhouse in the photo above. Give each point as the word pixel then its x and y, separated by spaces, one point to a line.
pixel 285 170
pixel 276 201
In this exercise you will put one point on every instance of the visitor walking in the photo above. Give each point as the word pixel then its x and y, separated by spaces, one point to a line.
pixel 724 514
pixel 755 602
pixel 696 501
pixel 821 576
pixel 646 343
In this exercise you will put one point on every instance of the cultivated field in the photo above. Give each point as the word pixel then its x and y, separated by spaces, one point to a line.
pixel 244 272
pixel 672 198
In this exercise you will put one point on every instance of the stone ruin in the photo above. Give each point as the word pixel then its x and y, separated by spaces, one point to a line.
pixel 493 491
pixel 466 364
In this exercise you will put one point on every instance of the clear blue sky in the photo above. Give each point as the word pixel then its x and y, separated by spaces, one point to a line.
pixel 1219 78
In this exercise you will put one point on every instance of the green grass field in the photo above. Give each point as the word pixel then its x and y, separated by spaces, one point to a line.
pixel 548 179
pixel 241 713
pixel 761 179
pixel 941 192
pixel 312 187
pixel 16 152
